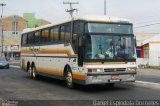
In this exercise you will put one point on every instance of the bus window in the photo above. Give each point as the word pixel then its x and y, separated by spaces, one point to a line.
pixel 24 39
pixel 54 36
pixel 37 37
pixel 78 27
pixel 45 35
pixel 62 33
pixel 30 38
pixel 68 32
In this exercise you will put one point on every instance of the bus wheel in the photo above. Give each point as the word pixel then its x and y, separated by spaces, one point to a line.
pixel 69 79
pixel 110 85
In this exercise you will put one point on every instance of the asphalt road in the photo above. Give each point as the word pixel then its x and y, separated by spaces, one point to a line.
pixel 16 85
pixel 148 78
pixel 148 75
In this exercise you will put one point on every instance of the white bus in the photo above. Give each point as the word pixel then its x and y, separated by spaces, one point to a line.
pixel 101 50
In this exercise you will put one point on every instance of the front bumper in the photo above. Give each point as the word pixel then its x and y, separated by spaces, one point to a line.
pixel 102 78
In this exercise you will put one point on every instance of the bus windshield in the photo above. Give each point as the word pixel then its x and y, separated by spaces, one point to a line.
pixel 109 28
pixel 109 46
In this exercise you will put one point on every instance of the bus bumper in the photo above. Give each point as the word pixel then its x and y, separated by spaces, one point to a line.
pixel 103 78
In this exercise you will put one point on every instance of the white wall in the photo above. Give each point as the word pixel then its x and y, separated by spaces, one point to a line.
pixel 154 54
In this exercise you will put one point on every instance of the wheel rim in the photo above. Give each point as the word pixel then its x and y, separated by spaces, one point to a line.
pixel 69 79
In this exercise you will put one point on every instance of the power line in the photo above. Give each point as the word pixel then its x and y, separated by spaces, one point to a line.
pixel 145 22
pixel 147 25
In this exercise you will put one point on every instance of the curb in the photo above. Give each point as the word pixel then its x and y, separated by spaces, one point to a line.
pixel 147 84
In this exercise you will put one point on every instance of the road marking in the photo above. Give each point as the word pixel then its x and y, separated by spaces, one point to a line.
pixel 147 84
pixel 13 66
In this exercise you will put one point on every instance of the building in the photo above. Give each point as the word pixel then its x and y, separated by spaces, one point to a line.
pixel 12 29
pixel 148 49
pixel 33 22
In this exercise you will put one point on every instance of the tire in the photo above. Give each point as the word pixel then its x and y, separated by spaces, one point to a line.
pixel 69 79
pixel 110 85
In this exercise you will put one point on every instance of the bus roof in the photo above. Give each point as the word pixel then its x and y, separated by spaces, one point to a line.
pixel 102 18
pixel 91 18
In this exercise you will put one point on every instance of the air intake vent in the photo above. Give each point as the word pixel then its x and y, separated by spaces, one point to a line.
pixel 114 69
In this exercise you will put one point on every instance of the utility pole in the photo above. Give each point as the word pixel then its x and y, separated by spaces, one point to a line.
pixel 104 7
pixel 2 54
pixel 71 11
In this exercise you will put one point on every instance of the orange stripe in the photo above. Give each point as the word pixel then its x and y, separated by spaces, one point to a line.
pixel 58 73
pixel 49 52
pixel 24 51
pixel 80 77
pixel 49 71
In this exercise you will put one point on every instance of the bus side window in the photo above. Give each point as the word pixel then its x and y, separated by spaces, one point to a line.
pixel 78 28
pixel 62 32
pixel 37 37
pixel 54 34
pixel 24 40
pixel 30 38
pixel 45 35
pixel 68 32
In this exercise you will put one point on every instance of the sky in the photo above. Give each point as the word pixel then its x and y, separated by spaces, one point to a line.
pixel 145 14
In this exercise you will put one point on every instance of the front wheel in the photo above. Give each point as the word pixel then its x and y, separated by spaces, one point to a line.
pixel 69 79
pixel 110 85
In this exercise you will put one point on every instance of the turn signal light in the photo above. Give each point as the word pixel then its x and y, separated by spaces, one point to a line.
pixel 89 70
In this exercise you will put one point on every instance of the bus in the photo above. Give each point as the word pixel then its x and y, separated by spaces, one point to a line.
pixel 87 50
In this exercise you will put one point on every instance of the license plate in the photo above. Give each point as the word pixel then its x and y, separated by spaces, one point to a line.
pixel 115 77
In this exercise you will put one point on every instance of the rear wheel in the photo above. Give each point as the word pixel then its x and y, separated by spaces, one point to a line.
pixel 110 85
pixel 69 79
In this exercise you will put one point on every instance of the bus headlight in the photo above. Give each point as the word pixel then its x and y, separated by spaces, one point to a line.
pixel 131 69
pixel 95 70
pixel 98 70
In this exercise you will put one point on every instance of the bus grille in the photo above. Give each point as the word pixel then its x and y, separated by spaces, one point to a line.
pixel 114 69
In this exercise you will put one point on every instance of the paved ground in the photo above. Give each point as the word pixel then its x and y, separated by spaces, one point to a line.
pixel 149 75
pixel 16 85
pixel 14 62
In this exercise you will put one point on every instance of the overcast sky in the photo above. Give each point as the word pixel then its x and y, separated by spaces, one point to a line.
pixel 140 12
